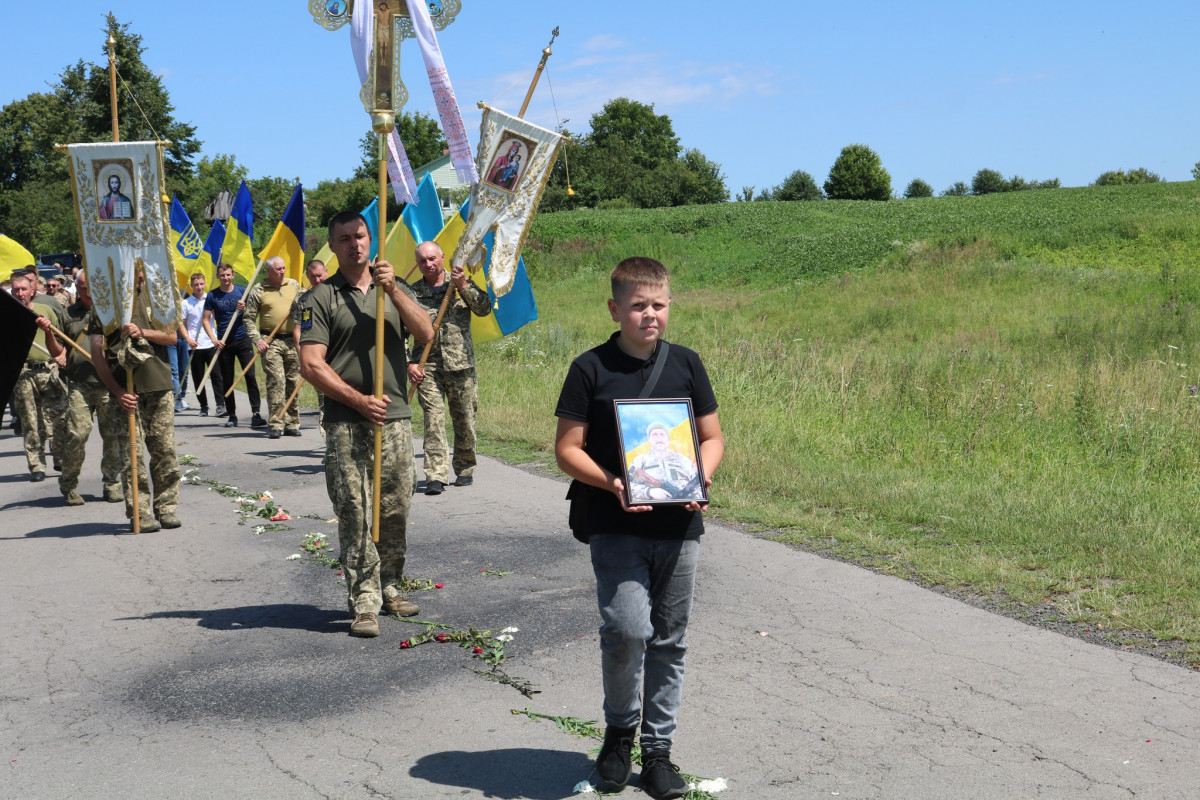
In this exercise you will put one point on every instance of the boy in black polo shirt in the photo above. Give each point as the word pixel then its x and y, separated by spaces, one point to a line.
pixel 644 556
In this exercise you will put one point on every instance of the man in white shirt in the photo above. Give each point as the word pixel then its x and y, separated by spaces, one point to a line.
pixel 204 350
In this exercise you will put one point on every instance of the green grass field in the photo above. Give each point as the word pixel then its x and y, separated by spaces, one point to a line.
pixel 993 394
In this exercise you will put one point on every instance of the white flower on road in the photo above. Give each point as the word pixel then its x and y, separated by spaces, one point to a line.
pixel 583 787
pixel 713 786
pixel 294 557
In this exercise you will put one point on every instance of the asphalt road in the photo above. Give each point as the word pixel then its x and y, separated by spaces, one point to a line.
pixel 202 663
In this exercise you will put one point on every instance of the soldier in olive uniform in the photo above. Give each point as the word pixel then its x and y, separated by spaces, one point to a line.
pixel 337 356
pixel 142 348
pixel 267 304
pixel 87 397
pixel 317 274
pixel 39 394
pixel 448 377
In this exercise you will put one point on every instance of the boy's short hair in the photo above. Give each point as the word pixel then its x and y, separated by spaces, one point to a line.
pixel 638 271
pixel 198 275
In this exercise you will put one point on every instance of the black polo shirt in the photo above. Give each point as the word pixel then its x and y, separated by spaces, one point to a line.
pixel 607 373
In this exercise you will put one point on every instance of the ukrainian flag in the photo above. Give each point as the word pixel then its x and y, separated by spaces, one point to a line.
pixel 238 250
pixel 212 246
pixel 510 312
pixel 288 240
pixel 13 256
pixel 190 255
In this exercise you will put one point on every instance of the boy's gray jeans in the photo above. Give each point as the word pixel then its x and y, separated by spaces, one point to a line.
pixel 644 590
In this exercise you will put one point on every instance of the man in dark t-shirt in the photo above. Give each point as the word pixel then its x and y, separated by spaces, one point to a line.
pixel 221 310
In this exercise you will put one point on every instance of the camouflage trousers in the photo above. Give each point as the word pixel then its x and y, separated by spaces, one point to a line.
pixel 40 398
pixel 281 365
pixel 372 569
pixel 457 391
pixel 85 400
pixel 156 434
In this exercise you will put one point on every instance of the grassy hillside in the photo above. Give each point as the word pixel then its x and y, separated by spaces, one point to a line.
pixel 761 244
pixel 995 393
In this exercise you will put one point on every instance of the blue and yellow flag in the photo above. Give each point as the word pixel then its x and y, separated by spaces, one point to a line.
pixel 424 217
pixel 510 312
pixel 288 240
pixel 212 245
pixel 13 256
pixel 190 255
pixel 238 250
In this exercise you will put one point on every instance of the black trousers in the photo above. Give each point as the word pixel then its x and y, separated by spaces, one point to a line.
pixel 244 352
pixel 200 361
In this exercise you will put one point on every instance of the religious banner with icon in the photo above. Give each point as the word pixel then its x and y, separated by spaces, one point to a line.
pixel 514 162
pixel 119 200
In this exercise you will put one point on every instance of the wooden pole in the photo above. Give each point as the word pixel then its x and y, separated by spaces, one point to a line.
pixel 538 73
pixel 229 328
pixel 380 310
pixel 250 366
pixel 288 404
pixel 133 444
pixel 437 324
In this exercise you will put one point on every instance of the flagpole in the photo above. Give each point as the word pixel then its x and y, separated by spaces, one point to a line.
pixel 382 122
pixel 250 366
pixel 133 443
pixel 538 73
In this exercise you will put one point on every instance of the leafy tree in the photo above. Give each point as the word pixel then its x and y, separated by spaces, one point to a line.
pixel 858 174
pixel 800 185
pixel 956 189
pixel 989 181
pixel 332 197
pixel 1120 177
pixel 213 175
pixel 1196 171
pixel 1049 183
pixel 35 201
pixel 745 195
pixel 918 188
pixel 422 138
pixel 632 153
pixel 271 196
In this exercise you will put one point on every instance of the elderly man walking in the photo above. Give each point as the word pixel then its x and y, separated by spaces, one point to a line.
pixel 268 322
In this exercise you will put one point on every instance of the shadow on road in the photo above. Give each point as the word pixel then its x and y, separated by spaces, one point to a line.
pixel 289 616
pixel 519 772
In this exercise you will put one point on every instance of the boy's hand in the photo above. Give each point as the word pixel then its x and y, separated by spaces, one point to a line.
pixel 696 505
pixel 618 488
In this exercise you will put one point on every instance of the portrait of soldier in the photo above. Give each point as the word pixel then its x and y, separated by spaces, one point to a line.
pixel 661 473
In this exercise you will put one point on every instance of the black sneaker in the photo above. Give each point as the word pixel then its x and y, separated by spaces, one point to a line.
pixel 614 764
pixel 204 412
pixel 274 434
pixel 257 421
pixel 660 778
pixel 231 422
pixel 434 487
pixel 222 412
pixel 464 480
pixel 292 432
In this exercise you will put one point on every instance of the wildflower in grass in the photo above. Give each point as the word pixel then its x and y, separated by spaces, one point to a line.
pixel 1193 389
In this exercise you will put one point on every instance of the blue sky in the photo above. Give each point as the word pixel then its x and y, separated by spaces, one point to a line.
pixel 938 89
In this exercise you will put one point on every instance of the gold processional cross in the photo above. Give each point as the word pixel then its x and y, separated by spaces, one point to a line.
pixel 384 68
pixel 382 95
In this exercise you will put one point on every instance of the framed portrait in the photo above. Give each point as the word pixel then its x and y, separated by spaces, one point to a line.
pixel 660 452
pixel 508 162
pixel 116 199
